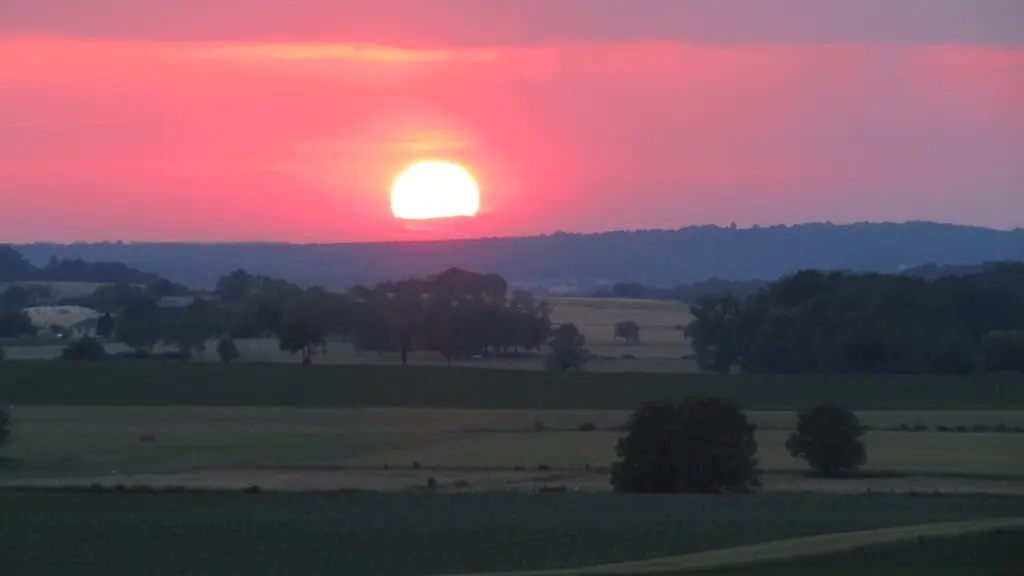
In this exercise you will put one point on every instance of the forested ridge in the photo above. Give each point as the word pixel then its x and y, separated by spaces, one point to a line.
pixel 582 261
pixel 817 322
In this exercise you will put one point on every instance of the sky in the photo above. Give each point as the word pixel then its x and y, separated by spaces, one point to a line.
pixel 288 120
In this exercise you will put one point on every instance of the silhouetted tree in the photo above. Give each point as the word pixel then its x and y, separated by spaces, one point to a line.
pixel 828 438
pixel 16 324
pixel 105 326
pixel 714 333
pixel 227 350
pixel 567 349
pixel 302 333
pixel 628 330
pixel 18 297
pixel 84 349
pixel 138 325
pixel 188 329
pixel 697 445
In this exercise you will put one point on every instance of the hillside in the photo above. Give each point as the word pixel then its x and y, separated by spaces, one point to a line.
pixel 14 267
pixel 579 261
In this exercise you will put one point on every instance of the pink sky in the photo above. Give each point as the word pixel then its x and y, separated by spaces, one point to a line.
pixel 288 120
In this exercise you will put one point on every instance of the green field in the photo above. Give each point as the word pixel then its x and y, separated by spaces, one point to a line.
pixel 154 383
pixel 377 535
pixel 997 553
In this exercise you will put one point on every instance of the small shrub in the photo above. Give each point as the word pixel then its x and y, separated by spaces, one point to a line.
pixel 227 350
pixel 962 429
pixel 254 489
pixel 942 428
pixel 543 467
pixel 84 349
pixel 698 445
pixel 920 428
pixel 588 427
pixel 828 438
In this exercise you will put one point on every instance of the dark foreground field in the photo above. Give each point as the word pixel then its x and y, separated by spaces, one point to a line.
pixel 373 534
pixel 159 383
pixel 996 553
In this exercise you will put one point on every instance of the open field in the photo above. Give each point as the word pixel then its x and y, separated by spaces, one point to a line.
pixel 400 449
pixel 155 383
pixel 379 535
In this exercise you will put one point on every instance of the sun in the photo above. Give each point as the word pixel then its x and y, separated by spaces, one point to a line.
pixel 433 189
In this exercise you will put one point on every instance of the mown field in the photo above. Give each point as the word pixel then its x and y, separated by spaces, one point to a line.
pixel 376 535
pixel 400 449
pixel 154 383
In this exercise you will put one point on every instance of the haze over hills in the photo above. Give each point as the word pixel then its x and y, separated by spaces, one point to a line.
pixel 650 257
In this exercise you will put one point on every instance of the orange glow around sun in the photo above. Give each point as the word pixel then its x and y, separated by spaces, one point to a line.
pixel 433 189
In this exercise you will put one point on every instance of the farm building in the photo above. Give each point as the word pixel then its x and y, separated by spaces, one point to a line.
pixel 85 329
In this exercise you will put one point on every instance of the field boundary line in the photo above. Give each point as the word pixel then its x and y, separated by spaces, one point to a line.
pixel 779 550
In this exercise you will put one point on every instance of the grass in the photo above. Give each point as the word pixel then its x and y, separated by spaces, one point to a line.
pixel 96 441
pixel 379 535
pixel 158 383
pixel 996 553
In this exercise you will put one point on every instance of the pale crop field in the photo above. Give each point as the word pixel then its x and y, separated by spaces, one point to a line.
pixel 660 323
pixel 399 448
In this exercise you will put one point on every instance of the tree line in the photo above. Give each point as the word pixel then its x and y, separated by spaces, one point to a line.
pixel 816 322
pixel 456 313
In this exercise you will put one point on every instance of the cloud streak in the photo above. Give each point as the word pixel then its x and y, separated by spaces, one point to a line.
pixel 440 23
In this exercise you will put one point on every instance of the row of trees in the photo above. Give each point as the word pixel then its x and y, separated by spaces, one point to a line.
pixel 456 313
pixel 813 322
pixel 704 444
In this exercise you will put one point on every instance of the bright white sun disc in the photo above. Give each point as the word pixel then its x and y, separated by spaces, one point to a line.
pixel 434 190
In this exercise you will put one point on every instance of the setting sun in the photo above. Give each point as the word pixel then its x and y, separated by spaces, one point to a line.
pixel 434 190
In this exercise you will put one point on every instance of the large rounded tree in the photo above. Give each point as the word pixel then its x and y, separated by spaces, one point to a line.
pixel 828 438
pixel 697 445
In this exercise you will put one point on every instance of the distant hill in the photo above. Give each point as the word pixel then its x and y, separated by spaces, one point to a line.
pixel 575 261
pixel 15 267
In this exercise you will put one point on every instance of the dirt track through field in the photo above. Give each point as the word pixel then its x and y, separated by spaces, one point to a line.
pixel 780 550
